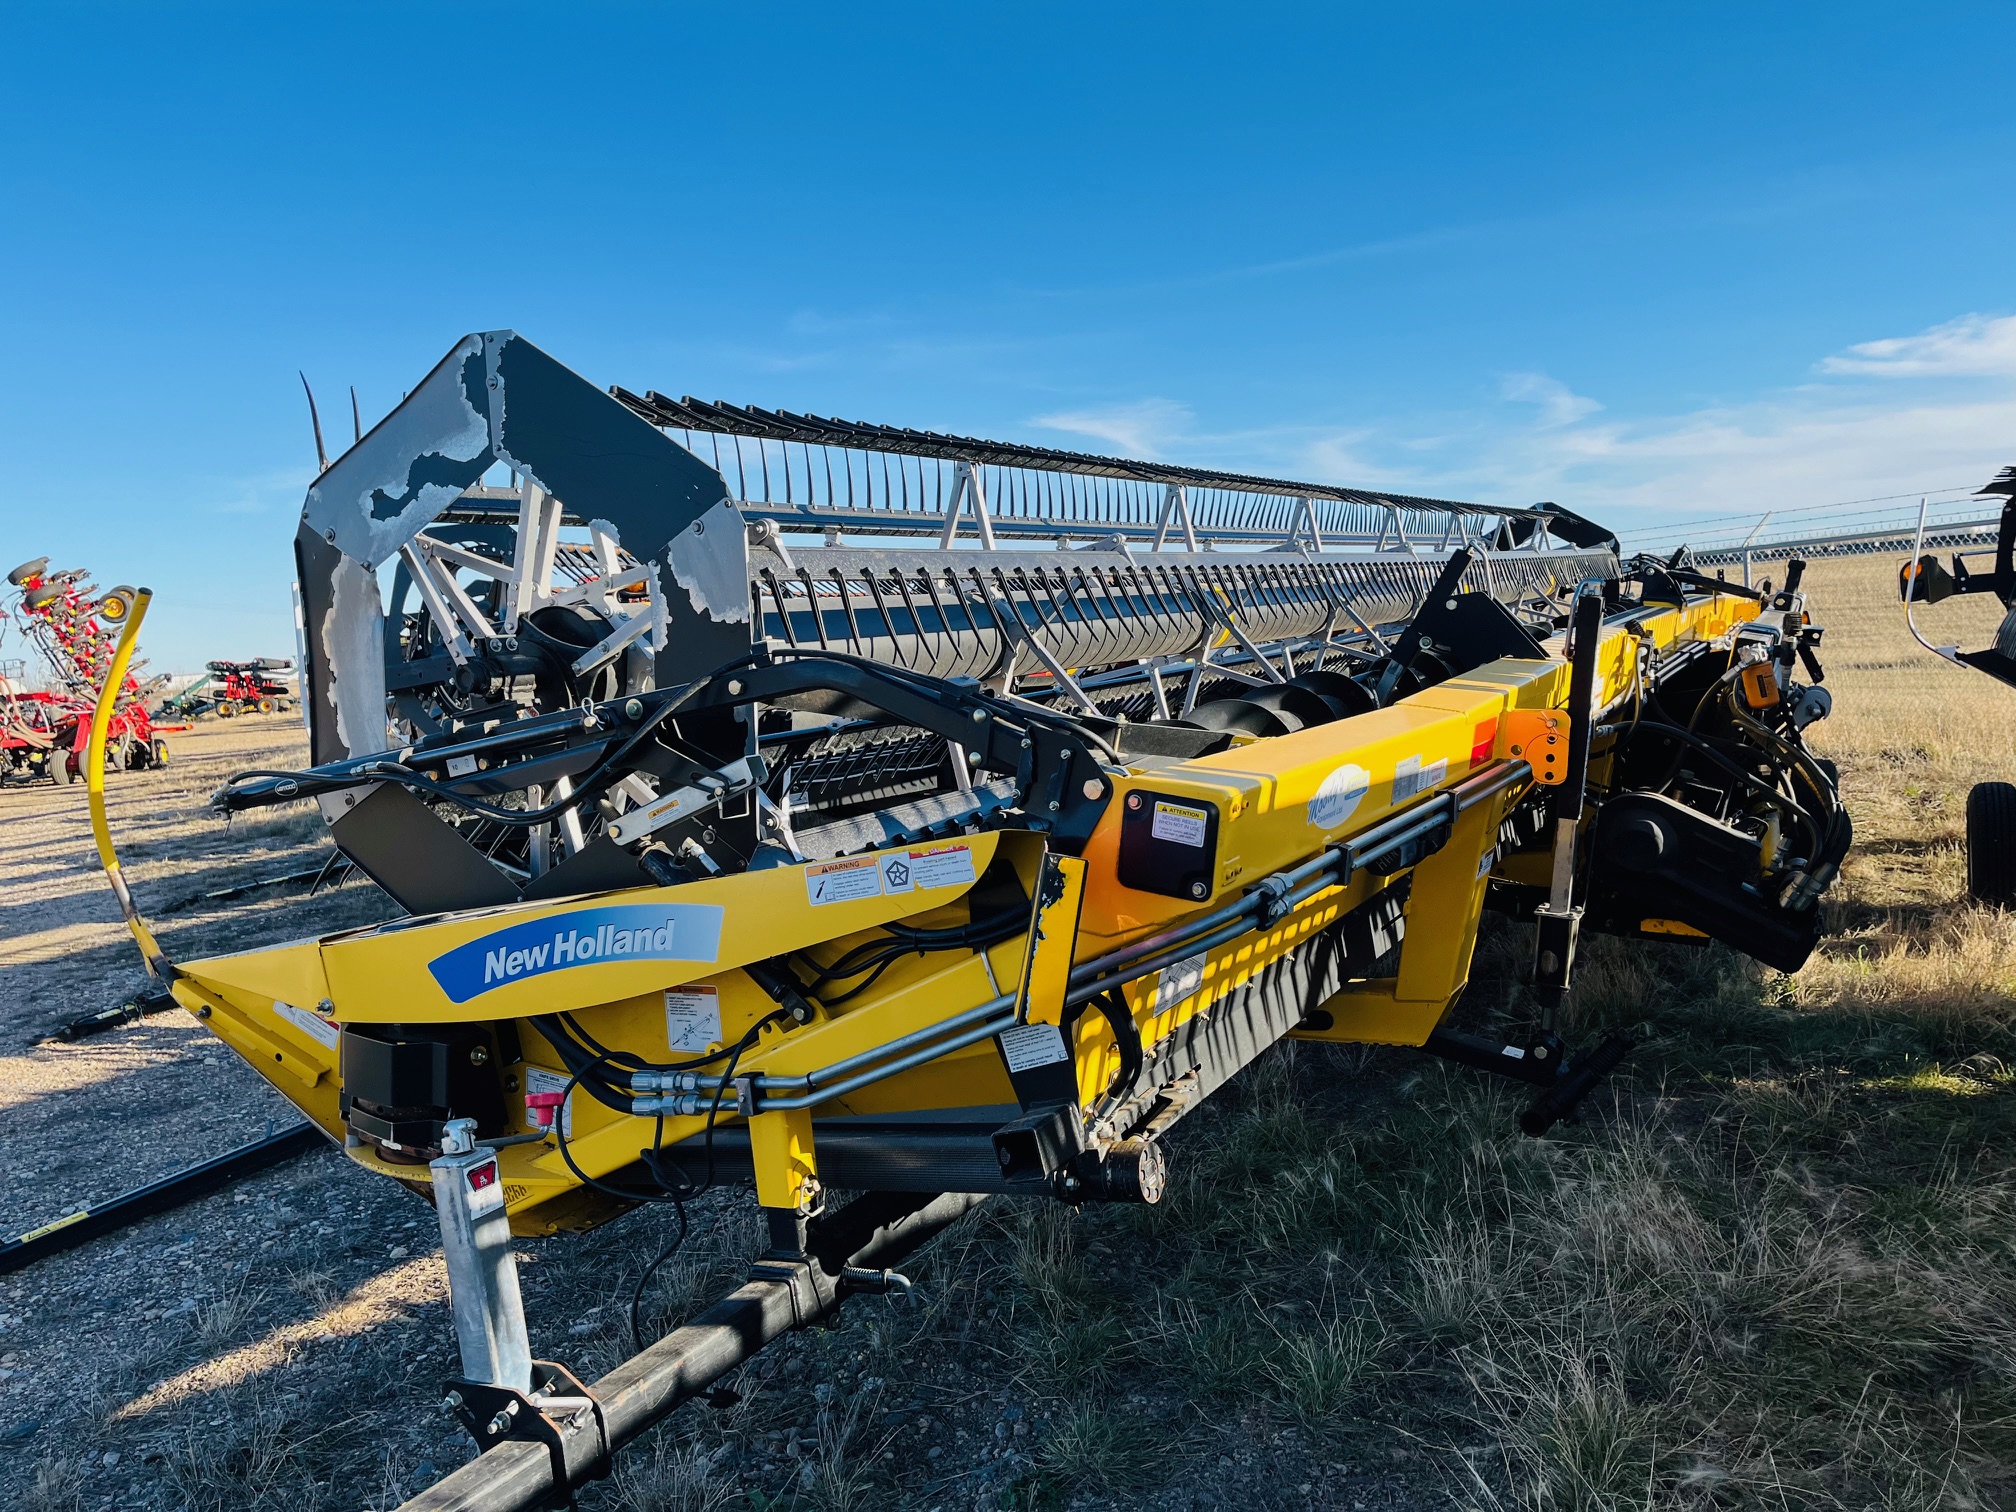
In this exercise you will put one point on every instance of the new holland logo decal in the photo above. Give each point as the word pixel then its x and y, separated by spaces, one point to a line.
pixel 591 937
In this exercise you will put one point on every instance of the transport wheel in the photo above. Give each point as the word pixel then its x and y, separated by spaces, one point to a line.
pixel 68 769
pixel 265 706
pixel 27 570
pixel 227 710
pixel 117 606
pixel 160 752
pixel 1991 843
pixel 35 598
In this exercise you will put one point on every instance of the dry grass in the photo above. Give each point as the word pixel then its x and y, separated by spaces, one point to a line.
pixel 1777 1270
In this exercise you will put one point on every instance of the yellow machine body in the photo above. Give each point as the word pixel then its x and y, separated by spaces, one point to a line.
pixel 1277 802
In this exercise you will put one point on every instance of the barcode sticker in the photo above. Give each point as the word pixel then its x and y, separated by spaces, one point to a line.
pixel 1184 826
pixel 1411 777
pixel 692 1019
pixel 846 881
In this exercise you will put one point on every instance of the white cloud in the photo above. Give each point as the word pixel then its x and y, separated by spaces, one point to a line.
pixel 1972 346
pixel 1559 404
pixel 1848 434
pixel 1139 429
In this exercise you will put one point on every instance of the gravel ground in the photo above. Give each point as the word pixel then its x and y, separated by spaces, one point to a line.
pixel 281 1344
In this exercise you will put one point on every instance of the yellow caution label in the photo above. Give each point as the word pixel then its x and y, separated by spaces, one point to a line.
pixel 49 1228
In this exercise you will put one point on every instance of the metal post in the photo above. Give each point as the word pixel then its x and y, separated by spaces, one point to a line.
pixel 482 1273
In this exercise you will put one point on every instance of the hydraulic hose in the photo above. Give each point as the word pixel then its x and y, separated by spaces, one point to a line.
pixel 158 964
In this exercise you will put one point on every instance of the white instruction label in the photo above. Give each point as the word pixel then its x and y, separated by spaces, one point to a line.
pixel 1486 861
pixel 1028 1045
pixel 946 866
pixel 1185 826
pixel 847 881
pixel 461 766
pixel 1178 980
pixel 692 1019
pixel 313 1025
pixel 1411 777
pixel 539 1079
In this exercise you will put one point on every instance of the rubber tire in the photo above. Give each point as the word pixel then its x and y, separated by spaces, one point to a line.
pixel 71 769
pixel 1991 843
pixel 160 752
pixel 265 706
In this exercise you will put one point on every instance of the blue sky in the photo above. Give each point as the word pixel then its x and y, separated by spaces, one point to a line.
pixel 1649 263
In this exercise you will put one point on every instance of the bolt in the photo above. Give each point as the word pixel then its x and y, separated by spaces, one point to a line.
pixel 325 1006
pixel 634 709
pixel 1200 890
pixel 1093 788
pixel 329 535
pixel 202 1010
pixel 1450 605
pixel 479 1055
pixel 500 1422
pixel 979 715
pixel 1028 744
pixel 1134 801
pixel 734 686
pixel 1055 805
pixel 451 1401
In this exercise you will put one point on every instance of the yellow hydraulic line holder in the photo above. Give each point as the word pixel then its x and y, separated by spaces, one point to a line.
pixel 158 964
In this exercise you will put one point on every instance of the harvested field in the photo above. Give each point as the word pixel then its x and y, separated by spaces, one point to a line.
pixel 1775 1268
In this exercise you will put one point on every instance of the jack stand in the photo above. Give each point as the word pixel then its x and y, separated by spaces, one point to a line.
pixel 1578 1079
pixel 1540 1063
pixel 503 1393
pixel 1558 921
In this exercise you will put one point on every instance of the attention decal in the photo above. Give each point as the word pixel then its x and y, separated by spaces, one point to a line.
pixel 622 932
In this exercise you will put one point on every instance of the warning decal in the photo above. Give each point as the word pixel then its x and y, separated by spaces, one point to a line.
pixel 1173 821
pixel 847 881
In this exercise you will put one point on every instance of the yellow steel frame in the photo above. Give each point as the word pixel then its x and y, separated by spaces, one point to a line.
pixel 1279 800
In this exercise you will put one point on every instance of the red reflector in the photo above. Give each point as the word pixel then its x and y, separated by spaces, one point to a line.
pixel 1481 740
pixel 483 1176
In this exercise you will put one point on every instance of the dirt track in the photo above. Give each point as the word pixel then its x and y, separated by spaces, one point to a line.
pixel 63 952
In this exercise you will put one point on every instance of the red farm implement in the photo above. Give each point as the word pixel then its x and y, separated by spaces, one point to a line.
pixel 73 628
pixel 233 688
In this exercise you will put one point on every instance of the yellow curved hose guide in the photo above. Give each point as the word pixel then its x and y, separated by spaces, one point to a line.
pixel 158 964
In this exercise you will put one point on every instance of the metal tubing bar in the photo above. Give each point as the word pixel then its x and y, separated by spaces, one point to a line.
pixel 171 1191
pixel 517 1476
pixel 823 1091
pixel 824 1074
